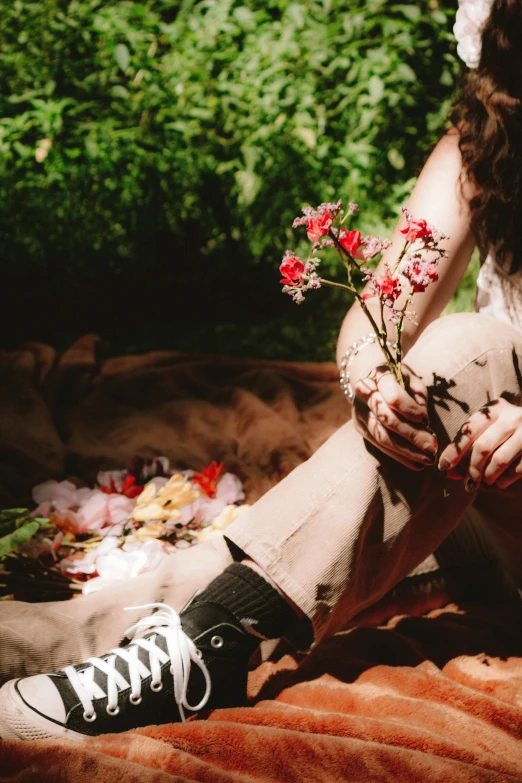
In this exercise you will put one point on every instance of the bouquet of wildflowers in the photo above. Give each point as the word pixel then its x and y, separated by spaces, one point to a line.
pixel 412 272
pixel 87 538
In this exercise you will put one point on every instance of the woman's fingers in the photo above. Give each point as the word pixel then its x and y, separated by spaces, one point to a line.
pixel 486 452
pixel 512 474
pixel 464 439
pixel 422 440
pixel 400 401
pixel 377 436
pixel 503 458
pixel 388 441
pixel 398 431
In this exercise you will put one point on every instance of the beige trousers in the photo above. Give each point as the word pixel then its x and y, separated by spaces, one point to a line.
pixel 340 531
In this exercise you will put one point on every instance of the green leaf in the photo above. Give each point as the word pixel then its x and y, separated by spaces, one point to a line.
pixel 13 513
pixel 122 56
pixel 307 135
pixel 91 147
pixel 406 73
pixel 249 186
pixel 446 78
pixel 245 18
pixel 375 89
pixel 119 91
pixel 16 539
pixel 396 159
pixel 295 12
pixel 411 12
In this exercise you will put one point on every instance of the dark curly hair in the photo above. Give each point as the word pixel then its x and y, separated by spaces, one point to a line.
pixel 488 114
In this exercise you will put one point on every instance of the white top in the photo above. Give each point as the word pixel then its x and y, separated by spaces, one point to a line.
pixel 499 297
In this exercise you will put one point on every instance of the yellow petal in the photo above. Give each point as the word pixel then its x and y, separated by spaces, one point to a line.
pixel 149 512
pixel 148 532
pixel 177 492
pixel 228 515
pixel 208 532
pixel 148 494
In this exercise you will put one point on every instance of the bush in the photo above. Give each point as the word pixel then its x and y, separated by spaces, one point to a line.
pixel 153 155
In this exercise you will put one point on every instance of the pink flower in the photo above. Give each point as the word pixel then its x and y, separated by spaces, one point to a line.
pixel 126 563
pixel 292 269
pixel 350 241
pixel 229 490
pixel 87 564
pixel 59 495
pixel 316 217
pixel 119 509
pixel 94 512
pixel 319 226
pixel 372 247
pixel 420 271
pixel 416 228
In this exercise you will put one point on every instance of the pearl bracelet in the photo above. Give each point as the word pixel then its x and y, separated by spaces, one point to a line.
pixel 349 356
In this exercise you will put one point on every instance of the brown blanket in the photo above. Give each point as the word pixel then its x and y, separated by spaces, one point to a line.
pixel 435 698
pixel 76 414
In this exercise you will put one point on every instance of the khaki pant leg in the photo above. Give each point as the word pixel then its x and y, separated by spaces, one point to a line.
pixel 47 636
pixel 350 523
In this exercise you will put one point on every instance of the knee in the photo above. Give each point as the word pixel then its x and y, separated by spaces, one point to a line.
pixel 467 326
pixel 454 341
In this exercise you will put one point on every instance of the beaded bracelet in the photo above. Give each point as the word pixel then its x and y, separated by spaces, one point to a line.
pixel 349 356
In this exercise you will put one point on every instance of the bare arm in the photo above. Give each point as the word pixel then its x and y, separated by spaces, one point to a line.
pixel 391 418
pixel 437 198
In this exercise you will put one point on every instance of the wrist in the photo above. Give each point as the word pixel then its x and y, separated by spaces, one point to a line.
pixel 365 361
pixel 363 355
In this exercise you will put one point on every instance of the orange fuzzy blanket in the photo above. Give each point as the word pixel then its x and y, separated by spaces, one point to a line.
pixel 435 698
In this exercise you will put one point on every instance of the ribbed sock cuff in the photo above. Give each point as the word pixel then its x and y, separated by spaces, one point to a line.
pixel 252 600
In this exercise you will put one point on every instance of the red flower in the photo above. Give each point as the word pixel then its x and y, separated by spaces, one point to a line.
pixel 350 241
pixel 390 287
pixel 129 488
pixel 319 227
pixel 292 270
pixel 416 229
pixel 208 478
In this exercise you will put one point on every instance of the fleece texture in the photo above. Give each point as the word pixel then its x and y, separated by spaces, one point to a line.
pixel 416 698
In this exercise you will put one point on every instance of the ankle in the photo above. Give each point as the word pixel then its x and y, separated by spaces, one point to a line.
pixel 257 568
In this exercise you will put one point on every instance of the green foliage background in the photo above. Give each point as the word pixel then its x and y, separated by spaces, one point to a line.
pixel 154 154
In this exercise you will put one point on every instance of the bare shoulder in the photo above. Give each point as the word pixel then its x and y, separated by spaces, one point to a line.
pixel 447 152
pixel 444 168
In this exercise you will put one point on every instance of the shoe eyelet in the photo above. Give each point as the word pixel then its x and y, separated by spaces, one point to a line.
pixel 89 718
pixel 112 710
pixel 217 642
pixel 135 700
pixel 199 653
pixel 156 686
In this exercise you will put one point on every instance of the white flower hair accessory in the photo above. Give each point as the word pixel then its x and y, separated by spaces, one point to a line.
pixel 471 18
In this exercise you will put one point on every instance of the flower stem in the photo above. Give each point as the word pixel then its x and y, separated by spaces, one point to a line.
pixel 381 334
pixel 401 256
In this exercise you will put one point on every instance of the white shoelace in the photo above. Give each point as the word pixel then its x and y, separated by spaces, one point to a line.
pixel 182 653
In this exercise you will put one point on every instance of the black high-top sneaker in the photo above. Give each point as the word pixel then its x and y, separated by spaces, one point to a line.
pixel 180 665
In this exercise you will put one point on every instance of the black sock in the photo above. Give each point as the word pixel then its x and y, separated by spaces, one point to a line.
pixel 252 600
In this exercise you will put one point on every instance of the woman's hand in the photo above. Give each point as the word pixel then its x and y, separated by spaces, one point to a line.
pixel 490 442
pixel 394 419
